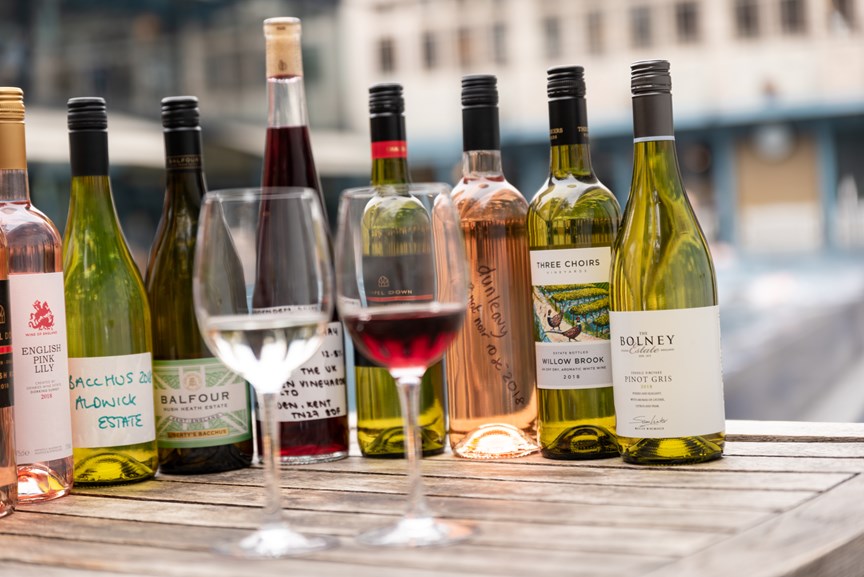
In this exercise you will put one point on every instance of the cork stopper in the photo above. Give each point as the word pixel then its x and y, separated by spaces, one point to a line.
pixel 282 37
pixel 11 104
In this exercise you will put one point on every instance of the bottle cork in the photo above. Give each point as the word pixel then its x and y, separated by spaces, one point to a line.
pixel 282 36
pixel 13 154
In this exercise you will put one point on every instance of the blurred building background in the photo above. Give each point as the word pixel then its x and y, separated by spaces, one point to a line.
pixel 769 104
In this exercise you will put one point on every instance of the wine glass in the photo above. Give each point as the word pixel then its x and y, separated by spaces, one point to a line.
pixel 263 297
pixel 401 292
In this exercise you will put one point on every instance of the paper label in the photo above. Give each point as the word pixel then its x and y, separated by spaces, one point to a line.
pixel 199 403
pixel 43 422
pixel 317 390
pixel 668 378
pixel 571 317
pixel 112 400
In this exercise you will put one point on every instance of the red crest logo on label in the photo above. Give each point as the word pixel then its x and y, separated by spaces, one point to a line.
pixel 43 318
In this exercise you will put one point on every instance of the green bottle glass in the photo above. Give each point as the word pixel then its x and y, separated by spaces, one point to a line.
pixel 390 222
pixel 203 411
pixel 665 320
pixel 572 223
pixel 108 319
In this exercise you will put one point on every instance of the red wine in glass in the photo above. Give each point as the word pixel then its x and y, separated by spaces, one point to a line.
pixel 405 336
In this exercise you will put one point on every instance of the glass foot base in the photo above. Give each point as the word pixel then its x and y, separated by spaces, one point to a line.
pixel 495 441
pixel 417 532
pixel 273 542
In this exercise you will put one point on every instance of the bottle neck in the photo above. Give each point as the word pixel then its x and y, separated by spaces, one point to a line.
pixel 184 168
pixel 88 153
pixel 13 163
pixel 286 102
pixel 654 153
pixel 389 152
pixel 481 143
pixel 568 138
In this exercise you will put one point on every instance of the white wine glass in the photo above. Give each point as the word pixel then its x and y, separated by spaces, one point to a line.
pixel 263 297
pixel 401 292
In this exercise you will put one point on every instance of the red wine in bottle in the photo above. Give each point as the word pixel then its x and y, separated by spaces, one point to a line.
pixel 313 419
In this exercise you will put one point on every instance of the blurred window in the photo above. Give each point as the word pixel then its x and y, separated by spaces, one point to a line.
pixel 843 14
pixel 747 18
pixel 792 17
pixel 386 55
pixel 499 43
pixel 552 37
pixel 687 21
pixel 430 51
pixel 640 26
pixel 463 39
pixel 594 22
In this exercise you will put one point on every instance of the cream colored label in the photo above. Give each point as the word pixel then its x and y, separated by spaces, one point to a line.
pixel 668 379
pixel 43 423
pixel 112 400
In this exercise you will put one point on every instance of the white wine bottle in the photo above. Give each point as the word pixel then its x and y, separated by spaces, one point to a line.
pixel 572 223
pixel 108 319
pixel 665 319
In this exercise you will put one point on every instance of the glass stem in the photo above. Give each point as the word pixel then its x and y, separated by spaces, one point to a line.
pixel 409 399
pixel 272 513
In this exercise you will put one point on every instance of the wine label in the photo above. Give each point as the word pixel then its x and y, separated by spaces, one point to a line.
pixel 112 400
pixel 183 162
pixel 317 389
pixel 571 317
pixel 43 423
pixel 199 403
pixel 668 378
pixel 6 396
pixel 384 282
pixel 568 122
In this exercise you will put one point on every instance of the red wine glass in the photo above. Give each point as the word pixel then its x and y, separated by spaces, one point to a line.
pixel 401 292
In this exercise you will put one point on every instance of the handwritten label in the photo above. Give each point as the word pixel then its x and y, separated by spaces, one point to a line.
pixel 487 315
pixel 317 390
pixel 200 403
pixel 112 400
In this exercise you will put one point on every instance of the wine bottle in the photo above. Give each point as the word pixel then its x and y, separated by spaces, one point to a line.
pixel 313 418
pixel 663 308
pixel 392 224
pixel 110 346
pixel 490 366
pixel 203 411
pixel 10 156
pixel 37 317
pixel 572 223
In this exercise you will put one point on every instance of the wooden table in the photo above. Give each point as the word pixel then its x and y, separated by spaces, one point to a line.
pixel 788 499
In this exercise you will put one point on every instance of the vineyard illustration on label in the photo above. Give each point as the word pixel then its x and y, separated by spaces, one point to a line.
pixel 564 313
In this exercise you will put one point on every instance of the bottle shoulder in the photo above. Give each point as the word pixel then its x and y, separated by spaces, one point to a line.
pixel 484 199
pixel 574 198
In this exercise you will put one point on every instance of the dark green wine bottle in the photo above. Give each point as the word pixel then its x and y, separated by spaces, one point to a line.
pixel 203 412
pixel 572 223
pixel 665 319
pixel 390 225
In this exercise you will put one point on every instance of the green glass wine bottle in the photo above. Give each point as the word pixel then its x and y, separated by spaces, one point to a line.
pixel 572 223
pixel 665 319
pixel 203 411
pixel 391 225
pixel 108 319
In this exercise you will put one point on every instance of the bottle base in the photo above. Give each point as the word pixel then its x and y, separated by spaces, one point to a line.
pixel 582 443
pixel 104 469
pixel 678 451
pixel 495 441
pixel 390 443
pixel 38 483
pixel 311 459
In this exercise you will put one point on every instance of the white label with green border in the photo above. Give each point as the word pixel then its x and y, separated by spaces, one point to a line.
pixel 199 403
